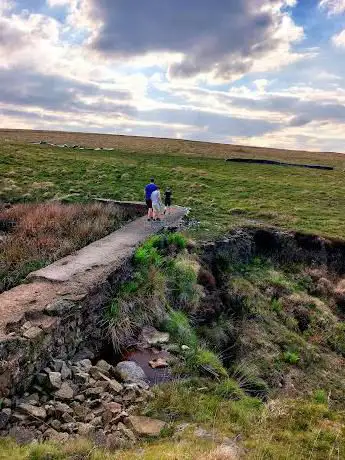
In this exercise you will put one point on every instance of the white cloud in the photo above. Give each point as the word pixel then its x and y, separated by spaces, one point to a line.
pixel 261 84
pixel 339 39
pixel 333 6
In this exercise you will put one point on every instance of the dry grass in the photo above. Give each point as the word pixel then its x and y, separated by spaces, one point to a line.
pixel 46 232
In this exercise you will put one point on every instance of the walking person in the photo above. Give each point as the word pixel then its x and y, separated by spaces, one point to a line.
pixel 157 204
pixel 167 199
pixel 149 189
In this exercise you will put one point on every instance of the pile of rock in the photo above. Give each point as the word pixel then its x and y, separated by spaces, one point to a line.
pixel 71 399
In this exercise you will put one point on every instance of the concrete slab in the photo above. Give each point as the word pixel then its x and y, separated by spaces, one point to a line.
pixel 112 249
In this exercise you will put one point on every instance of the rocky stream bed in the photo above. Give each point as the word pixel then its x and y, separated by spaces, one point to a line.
pixel 90 398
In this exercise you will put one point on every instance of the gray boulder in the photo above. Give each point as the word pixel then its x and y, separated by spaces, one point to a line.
pixel 129 371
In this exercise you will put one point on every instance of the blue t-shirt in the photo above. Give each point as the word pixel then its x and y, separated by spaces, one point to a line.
pixel 149 189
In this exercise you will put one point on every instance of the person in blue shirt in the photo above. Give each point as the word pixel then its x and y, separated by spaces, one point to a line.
pixel 149 189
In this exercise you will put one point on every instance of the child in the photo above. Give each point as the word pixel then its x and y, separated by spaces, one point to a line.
pixel 156 204
pixel 167 199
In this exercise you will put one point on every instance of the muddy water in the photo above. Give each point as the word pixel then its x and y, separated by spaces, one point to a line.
pixel 142 358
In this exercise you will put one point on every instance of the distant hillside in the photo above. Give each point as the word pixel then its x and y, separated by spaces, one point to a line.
pixel 167 146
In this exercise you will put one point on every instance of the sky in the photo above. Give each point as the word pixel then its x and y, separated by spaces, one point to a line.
pixel 254 72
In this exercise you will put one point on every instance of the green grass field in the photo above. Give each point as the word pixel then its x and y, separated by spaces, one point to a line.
pixel 221 195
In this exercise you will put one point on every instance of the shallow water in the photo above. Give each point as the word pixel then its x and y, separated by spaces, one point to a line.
pixel 142 358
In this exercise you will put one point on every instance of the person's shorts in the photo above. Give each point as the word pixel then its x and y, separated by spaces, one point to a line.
pixel 157 207
pixel 167 203
pixel 149 204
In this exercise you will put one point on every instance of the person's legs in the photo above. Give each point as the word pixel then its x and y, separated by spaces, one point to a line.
pixel 149 209
pixel 156 212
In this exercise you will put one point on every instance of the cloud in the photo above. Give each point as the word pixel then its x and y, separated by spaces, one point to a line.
pixel 223 40
pixel 333 6
pixel 261 84
pixel 25 88
pixel 339 39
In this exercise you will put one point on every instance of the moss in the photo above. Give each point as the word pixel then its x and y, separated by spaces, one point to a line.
pixel 291 357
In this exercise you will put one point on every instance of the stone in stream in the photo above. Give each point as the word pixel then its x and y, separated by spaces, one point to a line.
pixel 129 371
pixel 158 363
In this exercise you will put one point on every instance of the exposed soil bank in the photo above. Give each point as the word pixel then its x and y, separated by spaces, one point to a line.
pixel 284 246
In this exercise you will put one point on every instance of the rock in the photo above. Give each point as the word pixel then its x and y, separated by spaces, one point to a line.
pixel 33 399
pixel 121 417
pixel 56 364
pixel 67 418
pixel 34 333
pixel 113 385
pixel 17 417
pixel 80 398
pixel 85 353
pixel 60 307
pixel 42 378
pixel 145 426
pixel 93 404
pixel 69 427
pixel 65 371
pixel 99 438
pixel 55 380
pixel 115 441
pixel 103 366
pixel 61 408
pixel 158 363
pixel 26 326
pixel 33 411
pixel 6 402
pixel 84 364
pixel 127 432
pixel 5 415
pixel 53 435
pixel 81 411
pixel 56 425
pixel 110 411
pixel 223 452
pixel 129 371
pixel 88 418
pixel 65 392
pixel 96 391
pixel 23 435
pixel 81 377
pixel 151 336
pixel 85 429
pixel 97 421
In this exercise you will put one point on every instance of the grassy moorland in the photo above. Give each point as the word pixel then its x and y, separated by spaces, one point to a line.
pixel 221 195
pixel 276 334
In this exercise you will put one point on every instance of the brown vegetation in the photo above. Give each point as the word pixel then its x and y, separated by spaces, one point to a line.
pixel 46 232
